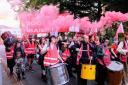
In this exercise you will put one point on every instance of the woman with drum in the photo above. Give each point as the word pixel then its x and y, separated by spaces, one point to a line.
pixel 52 66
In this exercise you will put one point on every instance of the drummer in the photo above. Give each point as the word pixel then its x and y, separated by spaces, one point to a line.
pixel 85 57
pixel 52 56
pixel 123 50
pixel 114 52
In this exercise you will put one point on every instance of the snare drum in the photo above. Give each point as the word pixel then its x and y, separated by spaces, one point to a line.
pixel 57 74
pixel 115 73
pixel 88 72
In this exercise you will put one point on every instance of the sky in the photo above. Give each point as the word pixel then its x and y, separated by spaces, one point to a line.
pixel 7 15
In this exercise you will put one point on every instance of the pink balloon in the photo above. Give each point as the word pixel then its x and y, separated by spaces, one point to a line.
pixel 85 25
pixel 62 23
pixel 75 22
pixel 48 19
pixel 49 11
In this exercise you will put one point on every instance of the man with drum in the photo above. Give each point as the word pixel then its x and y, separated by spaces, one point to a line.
pixel 85 58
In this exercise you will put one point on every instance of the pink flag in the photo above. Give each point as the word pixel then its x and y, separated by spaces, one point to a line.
pixel 119 30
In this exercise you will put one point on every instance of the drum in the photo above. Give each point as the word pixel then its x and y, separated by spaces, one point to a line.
pixel 88 72
pixel 57 74
pixel 115 73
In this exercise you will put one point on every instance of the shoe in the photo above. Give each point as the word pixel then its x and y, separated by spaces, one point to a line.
pixel 44 78
pixel 72 76
pixel 11 74
pixel 24 77
pixel 30 69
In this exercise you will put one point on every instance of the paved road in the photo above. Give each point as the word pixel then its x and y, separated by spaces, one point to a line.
pixel 32 78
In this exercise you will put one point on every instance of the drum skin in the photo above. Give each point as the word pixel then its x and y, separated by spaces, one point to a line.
pixel 115 76
pixel 57 74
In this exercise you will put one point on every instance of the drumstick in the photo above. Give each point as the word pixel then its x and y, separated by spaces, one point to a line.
pixel 59 57
pixel 86 50
pixel 83 50
pixel 90 59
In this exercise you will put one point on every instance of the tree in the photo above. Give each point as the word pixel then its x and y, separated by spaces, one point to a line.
pixel 82 8
pixel 79 8
pixel 116 5
pixel 36 4
pixel 94 9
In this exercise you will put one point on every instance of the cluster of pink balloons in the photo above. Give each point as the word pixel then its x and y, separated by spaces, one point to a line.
pixel 49 19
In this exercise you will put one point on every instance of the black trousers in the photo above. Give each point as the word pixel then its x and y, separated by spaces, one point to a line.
pixel 10 64
pixel 101 74
pixel 71 63
pixel 80 81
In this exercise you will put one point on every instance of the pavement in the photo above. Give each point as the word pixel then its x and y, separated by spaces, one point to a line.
pixel 34 77
pixel 6 79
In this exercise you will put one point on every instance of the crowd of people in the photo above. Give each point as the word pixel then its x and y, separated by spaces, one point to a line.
pixel 75 51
